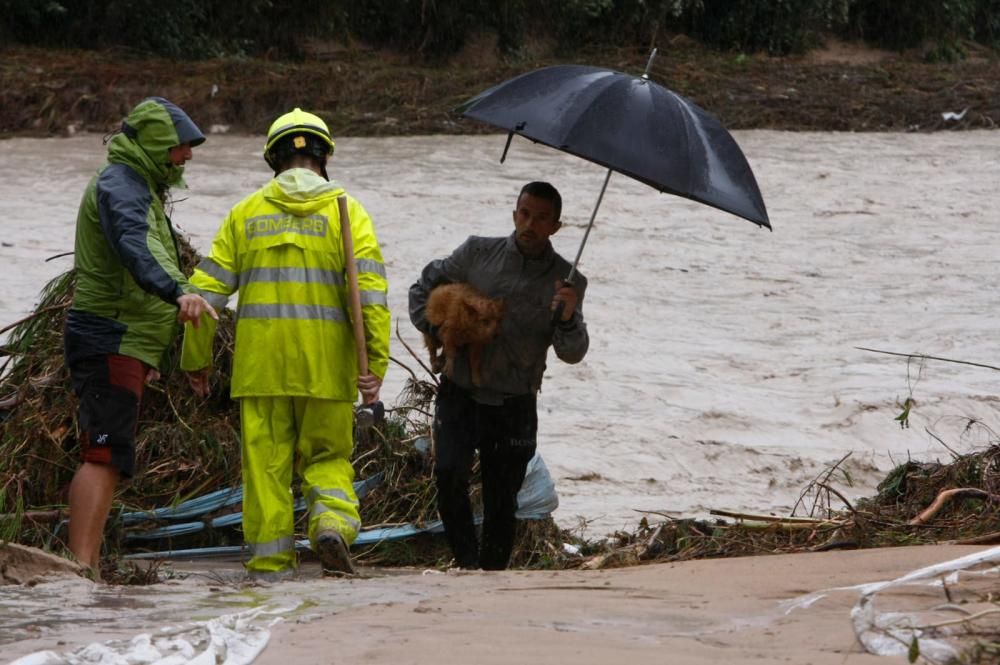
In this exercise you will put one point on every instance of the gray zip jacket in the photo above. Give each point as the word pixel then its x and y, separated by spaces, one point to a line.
pixel 513 364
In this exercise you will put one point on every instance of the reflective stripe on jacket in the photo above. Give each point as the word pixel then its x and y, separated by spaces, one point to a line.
pixel 281 247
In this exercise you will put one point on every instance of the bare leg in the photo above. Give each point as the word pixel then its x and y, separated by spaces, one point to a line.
pixel 90 496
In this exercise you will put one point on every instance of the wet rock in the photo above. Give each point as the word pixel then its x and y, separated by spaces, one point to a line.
pixel 20 564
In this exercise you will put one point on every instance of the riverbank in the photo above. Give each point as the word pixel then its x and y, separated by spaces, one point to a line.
pixel 372 93
pixel 802 608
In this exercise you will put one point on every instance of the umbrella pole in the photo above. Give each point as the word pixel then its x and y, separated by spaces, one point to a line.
pixel 557 314
pixel 649 65
pixel 510 135
pixel 586 234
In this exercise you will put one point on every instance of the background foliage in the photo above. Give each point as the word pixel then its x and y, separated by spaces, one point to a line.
pixel 434 29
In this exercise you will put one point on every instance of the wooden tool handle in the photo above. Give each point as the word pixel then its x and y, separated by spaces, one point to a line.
pixel 354 293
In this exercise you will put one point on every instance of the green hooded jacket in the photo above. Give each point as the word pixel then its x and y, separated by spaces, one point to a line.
pixel 128 275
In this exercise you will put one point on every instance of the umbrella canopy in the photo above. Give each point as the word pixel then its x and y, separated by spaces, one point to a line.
pixel 628 124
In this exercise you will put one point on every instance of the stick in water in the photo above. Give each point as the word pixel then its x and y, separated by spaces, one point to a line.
pixel 921 355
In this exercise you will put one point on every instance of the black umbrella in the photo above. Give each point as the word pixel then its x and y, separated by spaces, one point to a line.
pixel 628 124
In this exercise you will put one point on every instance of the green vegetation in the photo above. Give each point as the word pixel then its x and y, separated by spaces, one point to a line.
pixel 188 446
pixel 188 29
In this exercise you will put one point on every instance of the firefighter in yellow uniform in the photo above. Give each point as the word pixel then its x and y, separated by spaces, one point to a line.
pixel 295 367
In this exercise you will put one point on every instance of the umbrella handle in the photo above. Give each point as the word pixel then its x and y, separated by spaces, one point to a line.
pixel 560 306
pixel 557 313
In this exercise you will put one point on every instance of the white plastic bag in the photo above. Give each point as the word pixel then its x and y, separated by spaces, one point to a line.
pixel 537 498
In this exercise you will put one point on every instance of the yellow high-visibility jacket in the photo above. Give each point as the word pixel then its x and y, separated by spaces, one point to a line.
pixel 282 248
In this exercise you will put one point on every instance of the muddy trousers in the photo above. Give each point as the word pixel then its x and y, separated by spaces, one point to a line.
pixel 320 432
pixel 505 438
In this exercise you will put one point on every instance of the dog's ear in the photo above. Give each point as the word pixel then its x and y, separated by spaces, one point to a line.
pixel 493 309
pixel 486 306
pixel 474 305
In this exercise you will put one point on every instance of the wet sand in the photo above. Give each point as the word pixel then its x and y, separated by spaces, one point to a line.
pixel 751 609
pixel 712 611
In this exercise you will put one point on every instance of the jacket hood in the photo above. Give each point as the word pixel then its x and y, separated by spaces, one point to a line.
pixel 301 192
pixel 147 135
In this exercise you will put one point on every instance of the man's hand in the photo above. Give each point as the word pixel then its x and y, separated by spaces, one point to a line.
pixel 152 375
pixel 368 386
pixel 199 381
pixel 191 306
pixel 567 295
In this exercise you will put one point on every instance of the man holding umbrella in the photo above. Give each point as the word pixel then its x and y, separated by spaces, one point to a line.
pixel 498 416
pixel 625 123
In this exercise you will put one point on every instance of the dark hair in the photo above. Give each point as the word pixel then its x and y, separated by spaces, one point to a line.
pixel 544 190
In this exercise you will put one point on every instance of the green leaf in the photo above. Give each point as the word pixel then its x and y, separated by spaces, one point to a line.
pixel 904 417
pixel 914 651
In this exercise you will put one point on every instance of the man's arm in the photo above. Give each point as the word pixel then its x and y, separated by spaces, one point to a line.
pixel 215 278
pixel 452 269
pixel 123 204
pixel 570 339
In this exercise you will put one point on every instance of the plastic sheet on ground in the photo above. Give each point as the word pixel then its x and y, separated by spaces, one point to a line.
pixel 892 633
pixel 536 500
pixel 206 504
pixel 231 639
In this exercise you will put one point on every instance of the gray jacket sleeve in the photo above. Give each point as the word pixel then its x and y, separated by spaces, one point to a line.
pixel 570 339
pixel 454 268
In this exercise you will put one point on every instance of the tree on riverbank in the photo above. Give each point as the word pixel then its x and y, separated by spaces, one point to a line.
pixel 191 29
pixel 57 92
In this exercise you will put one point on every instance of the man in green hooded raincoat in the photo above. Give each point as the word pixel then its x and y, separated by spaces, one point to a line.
pixel 130 300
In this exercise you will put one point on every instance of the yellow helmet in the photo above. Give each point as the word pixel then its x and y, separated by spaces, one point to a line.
pixel 299 123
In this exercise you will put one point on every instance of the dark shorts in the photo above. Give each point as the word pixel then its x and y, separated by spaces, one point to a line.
pixel 109 389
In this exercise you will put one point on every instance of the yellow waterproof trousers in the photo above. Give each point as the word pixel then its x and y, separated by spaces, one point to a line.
pixel 320 433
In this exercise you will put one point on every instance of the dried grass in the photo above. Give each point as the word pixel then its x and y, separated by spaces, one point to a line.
pixel 188 446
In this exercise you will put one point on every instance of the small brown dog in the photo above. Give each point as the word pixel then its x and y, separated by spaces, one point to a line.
pixel 463 317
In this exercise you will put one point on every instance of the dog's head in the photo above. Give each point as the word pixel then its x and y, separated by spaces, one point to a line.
pixel 487 315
